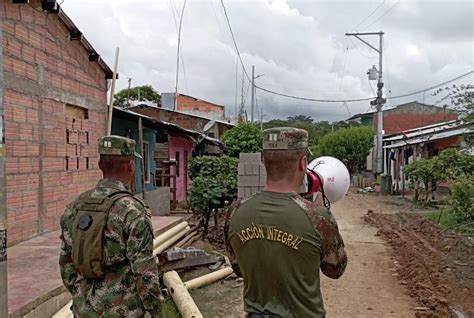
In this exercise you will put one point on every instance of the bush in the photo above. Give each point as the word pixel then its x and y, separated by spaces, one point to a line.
pixel 422 172
pixel 245 137
pixel 351 145
pixel 461 198
pixel 214 185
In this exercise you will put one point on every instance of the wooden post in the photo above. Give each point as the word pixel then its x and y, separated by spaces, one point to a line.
pixel 403 174
pixel 140 141
pixel 112 92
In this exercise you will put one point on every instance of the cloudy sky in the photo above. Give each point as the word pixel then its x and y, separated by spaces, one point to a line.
pixel 299 46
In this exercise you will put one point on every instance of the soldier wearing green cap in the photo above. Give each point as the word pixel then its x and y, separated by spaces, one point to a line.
pixel 106 257
pixel 278 241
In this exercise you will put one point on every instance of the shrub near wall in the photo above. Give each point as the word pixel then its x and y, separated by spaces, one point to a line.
pixel 214 185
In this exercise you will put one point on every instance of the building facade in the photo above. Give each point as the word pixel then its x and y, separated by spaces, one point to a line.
pixel 54 95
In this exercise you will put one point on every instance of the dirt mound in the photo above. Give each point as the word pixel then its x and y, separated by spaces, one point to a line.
pixel 437 268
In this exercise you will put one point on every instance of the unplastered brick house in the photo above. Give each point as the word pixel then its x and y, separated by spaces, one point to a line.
pixel 54 95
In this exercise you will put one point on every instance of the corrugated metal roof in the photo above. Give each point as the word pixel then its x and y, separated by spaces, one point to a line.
pixel 425 130
pixel 435 136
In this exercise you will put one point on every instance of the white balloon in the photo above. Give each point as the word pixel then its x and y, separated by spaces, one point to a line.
pixel 335 176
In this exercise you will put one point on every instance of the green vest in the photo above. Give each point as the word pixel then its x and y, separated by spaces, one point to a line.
pixel 278 252
pixel 90 220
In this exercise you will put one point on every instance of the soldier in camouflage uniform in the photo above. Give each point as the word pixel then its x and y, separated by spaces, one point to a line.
pixel 279 241
pixel 106 258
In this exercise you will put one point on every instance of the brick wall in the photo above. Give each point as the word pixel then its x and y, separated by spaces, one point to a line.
pixel 55 110
pixel 188 103
pixel 183 120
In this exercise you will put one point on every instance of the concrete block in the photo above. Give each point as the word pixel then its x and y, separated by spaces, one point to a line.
pixel 250 157
pixel 256 168
pixel 241 168
pixel 158 200
pixel 247 181
pixel 247 192
pixel 241 192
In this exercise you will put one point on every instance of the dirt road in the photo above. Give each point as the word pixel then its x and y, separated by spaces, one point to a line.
pixel 369 287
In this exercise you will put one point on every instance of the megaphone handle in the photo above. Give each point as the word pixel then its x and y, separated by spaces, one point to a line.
pixel 326 201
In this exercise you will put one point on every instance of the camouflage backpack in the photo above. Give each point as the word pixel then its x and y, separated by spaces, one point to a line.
pixel 88 231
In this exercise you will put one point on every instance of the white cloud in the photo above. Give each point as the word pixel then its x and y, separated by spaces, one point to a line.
pixel 299 45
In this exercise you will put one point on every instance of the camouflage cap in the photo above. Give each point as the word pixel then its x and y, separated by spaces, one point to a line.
pixel 284 138
pixel 117 146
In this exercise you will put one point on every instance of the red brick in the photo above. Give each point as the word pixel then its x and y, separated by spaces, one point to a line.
pixel 19 68
pixel 31 72
pixel 12 165
pixel 62 68
pixel 26 13
pixel 13 47
pixel 28 53
pixel 25 165
pixel 12 130
pixel 21 32
pixel 12 11
pixel 40 17
pixel 53 164
pixel 40 57
pixel 32 116
pixel 8 27
pixel 56 81
pixel 19 114
pixel 7 64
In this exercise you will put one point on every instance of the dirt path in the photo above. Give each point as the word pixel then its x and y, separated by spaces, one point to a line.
pixel 369 287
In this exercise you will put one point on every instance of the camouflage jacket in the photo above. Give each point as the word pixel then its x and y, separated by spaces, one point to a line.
pixel 130 286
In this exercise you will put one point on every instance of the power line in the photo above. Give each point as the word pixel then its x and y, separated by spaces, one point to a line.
pixel 235 42
pixel 380 4
pixel 180 49
pixel 384 14
pixel 362 99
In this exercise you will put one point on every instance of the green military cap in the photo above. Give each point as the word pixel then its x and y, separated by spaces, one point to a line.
pixel 284 138
pixel 117 146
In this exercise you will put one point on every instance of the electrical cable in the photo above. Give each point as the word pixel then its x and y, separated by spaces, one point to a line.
pixel 380 4
pixel 361 99
pixel 235 42
pixel 384 14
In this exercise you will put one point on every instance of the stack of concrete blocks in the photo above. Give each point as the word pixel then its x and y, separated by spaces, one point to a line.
pixel 252 175
pixel 158 200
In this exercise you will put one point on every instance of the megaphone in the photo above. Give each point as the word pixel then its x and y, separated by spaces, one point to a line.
pixel 329 175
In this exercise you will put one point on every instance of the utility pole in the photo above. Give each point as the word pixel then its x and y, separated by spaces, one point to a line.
pixel 253 94
pixel 379 101
pixel 128 92
pixel 177 58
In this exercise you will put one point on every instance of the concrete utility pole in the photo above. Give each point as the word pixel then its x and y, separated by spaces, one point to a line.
pixel 253 94
pixel 3 202
pixel 379 101
pixel 252 111
pixel 128 92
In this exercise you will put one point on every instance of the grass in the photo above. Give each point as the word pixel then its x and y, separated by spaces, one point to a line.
pixel 447 221
pixel 169 309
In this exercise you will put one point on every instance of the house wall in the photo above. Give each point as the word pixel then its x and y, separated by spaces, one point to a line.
pixel 200 107
pixel 128 128
pixel 183 120
pixel 180 145
pixel 51 148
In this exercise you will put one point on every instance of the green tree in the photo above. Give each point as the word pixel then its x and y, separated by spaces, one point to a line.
pixel 137 93
pixel 351 145
pixel 245 137
pixel 458 97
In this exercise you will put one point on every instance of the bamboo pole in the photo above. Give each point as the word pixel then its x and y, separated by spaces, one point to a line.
pixel 181 297
pixel 64 312
pixel 140 141
pixel 112 92
pixel 171 241
pixel 208 278
pixel 160 239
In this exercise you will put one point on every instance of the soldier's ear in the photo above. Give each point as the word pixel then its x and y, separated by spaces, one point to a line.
pixel 131 165
pixel 303 163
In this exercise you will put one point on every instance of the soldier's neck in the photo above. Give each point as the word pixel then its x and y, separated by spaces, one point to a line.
pixel 122 178
pixel 281 186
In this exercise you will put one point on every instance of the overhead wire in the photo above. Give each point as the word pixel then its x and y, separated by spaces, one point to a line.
pixel 358 25
pixel 384 14
pixel 235 42
pixel 361 99
pixel 175 12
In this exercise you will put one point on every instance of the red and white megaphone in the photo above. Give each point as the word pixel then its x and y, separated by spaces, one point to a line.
pixel 330 176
